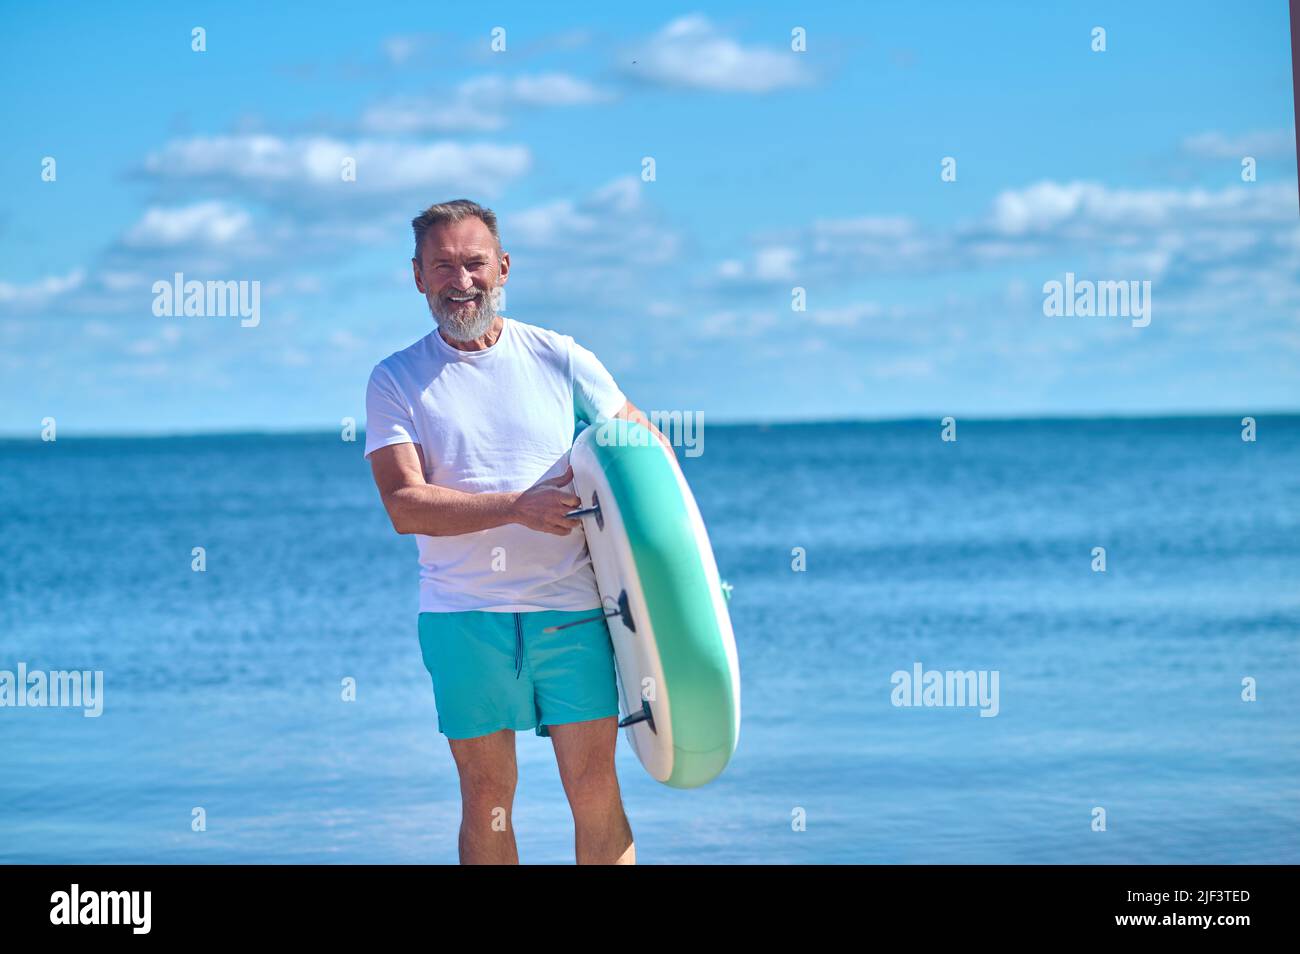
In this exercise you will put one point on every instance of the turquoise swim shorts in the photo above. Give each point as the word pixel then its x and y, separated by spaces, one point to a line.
pixel 495 671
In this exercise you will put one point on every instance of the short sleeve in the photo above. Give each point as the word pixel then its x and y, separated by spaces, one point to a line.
pixel 595 395
pixel 388 416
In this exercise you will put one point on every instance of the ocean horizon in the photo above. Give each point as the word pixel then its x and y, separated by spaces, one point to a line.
pixel 316 431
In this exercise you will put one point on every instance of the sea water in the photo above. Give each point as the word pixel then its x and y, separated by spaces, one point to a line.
pixel 1147 712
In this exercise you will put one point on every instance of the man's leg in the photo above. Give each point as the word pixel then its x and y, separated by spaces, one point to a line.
pixel 488 774
pixel 585 753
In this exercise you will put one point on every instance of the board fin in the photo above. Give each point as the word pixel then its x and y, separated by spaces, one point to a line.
pixel 645 715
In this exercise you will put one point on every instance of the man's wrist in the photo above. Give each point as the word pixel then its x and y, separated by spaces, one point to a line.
pixel 510 505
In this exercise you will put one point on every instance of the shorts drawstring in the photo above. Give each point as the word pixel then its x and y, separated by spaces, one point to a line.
pixel 519 646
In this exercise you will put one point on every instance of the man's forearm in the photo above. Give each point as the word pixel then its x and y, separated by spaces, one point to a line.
pixel 443 512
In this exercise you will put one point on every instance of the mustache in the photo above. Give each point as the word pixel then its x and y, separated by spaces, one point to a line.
pixel 464 325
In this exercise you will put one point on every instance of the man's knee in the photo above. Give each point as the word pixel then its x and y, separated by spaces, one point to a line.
pixel 488 784
pixel 487 791
pixel 594 789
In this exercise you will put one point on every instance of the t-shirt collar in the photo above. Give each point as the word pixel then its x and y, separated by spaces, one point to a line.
pixel 440 343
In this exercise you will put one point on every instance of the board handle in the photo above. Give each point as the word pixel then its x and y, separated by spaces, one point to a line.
pixel 592 511
pixel 624 610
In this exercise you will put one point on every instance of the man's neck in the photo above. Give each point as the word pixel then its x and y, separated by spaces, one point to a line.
pixel 482 343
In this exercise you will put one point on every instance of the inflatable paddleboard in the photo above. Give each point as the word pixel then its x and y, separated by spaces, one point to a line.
pixel 679 678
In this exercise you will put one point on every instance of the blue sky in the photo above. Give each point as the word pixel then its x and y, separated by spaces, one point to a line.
pixel 775 169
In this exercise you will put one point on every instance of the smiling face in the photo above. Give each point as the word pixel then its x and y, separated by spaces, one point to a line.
pixel 457 272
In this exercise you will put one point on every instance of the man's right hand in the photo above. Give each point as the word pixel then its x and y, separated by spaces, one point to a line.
pixel 543 506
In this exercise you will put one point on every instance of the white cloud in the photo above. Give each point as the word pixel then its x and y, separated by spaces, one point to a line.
pixel 480 104
pixel 1271 144
pixel 845 316
pixel 433 50
pixel 769 264
pixel 604 248
pixel 123 281
pixel 203 223
pixel 1167 233
pixel 295 188
pixel 1040 207
pixel 610 224
pixel 278 169
pixel 546 89
pixel 689 52
pixel 399 117
pixel 1051 206
pixel 735 324
pixel 40 293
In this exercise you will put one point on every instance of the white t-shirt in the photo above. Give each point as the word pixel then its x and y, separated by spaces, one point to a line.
pixel 499 419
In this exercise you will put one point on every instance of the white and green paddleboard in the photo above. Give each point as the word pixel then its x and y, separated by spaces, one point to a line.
pixel 679 679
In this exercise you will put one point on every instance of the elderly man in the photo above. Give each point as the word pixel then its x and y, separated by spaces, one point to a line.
pixel 468 432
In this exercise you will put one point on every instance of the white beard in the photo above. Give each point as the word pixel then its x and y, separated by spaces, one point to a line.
pixel 469 324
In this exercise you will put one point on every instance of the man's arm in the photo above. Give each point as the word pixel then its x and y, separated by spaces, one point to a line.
pixel 416 506
pixel 630 412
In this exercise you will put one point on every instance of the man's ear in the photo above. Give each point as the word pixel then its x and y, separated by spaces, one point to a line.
pixel 415 269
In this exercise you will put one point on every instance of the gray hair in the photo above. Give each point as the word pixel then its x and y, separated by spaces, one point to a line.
pixel 457 210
